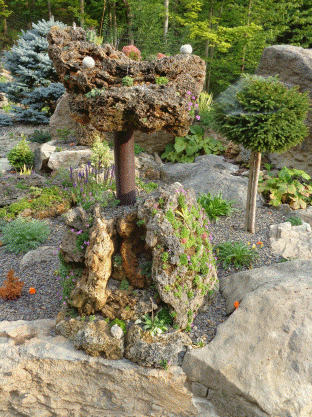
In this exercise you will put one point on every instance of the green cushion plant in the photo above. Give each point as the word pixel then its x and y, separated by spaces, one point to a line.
pixel 21 154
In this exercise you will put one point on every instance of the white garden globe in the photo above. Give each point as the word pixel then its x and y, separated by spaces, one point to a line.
pixel 186 49
pixel 88 62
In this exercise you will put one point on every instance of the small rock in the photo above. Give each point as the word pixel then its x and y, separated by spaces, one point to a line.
pixel 116 331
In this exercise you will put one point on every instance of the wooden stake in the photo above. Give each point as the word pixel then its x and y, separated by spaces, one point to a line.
pixel 255 162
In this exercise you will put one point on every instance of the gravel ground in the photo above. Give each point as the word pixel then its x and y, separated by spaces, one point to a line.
pixel 46 302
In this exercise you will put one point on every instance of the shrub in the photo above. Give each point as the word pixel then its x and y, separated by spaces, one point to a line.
pixel 237 253
pixel 21 154
pixel 186 149
pixel 294 220
pixel 35 87
pixel 12 287
pixel 40 136
pixel 127 81
pixel 132 52
pixel 215 206
pixel 22 235
pixel 161 80
pixel 289 187
pixel 262 115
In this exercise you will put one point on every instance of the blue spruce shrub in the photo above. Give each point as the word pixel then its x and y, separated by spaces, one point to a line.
pixel 35 87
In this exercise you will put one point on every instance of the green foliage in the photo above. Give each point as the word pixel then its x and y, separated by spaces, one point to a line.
pixel 146 269
pixel 67 276
pixel 23 235
pixel 21 154
pixel 124 285
pixel 161 80
pixel 154 325
pixel 127 81
pixel 138 149
pixel 82 241
pixel 147 187
pixel 262 114
pixel 63 134
pixel 95 92
pixel 40 136
pixel 165 316
pixel 186 149
pixel 100 153
pixel 118 259
pixel 289 187
pixel 236 253
pixel 215 206
pixel 294 220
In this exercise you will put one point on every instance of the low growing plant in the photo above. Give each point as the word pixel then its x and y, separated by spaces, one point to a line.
pixel 237 253
pixel 186 149
pixel 215 206
pixel 289 187
pixel 161 80
pixel 127 81
pixel 40 136
pixel 67 276
pixel 155 325
pixel 12 287
pixel 294 220
pixel 21 154
pixel 95 92
pixel 138 149
pixel 23 235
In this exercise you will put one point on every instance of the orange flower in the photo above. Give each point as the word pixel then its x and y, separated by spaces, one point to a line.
pixel 184 240
pixel 32 290
pixel 236 304
pixel 260 243
pixel 72 144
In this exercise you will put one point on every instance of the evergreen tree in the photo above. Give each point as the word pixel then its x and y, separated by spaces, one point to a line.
pixel 35 88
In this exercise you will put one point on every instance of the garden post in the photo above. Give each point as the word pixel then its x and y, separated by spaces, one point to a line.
pixel 254 170
pixel 124 167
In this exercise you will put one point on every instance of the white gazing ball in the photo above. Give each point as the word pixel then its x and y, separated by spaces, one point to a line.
pixel 116 331
pixel 186 49
pixel 88 62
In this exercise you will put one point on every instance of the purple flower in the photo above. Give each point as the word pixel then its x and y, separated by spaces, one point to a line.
pixel 197 117
pixel 72 230
pixel 190 104
pixel 189 93
pixel 79 232
pixel 64 302
pixel 193 98
pixel 195 105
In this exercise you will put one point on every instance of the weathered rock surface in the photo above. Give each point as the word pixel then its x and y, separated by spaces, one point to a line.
pixel 4 165
pixel 61 118
pixel 156 351
pixel 43 375
pixel 37 256
pixel 66 159
pixel 209 174
pixel 146 106
pixel 289 241
pixel 293 65
pixel 259 363
pixel 150 252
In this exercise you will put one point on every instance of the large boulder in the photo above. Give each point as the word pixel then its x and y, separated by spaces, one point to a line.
pixel 209 174
pixel 44 375
pixel 293 65
pixel 259 363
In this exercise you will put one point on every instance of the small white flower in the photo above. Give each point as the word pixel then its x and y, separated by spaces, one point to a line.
pixel 88 62
pixel 186 49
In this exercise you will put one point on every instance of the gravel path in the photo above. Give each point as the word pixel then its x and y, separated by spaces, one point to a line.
pixel 46 302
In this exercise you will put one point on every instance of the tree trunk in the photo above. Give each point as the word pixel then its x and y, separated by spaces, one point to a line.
pixel 166 23
pixel 254 170
pixel 124 167
pixel 129 17
pixel 82 13
pixel 102 18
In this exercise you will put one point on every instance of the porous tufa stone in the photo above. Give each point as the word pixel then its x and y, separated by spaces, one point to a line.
pixel 88 62
pixel 186 49
pixel 116 331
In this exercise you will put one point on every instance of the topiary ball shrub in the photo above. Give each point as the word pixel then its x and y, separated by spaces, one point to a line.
pixel 262 114
pixel 21 154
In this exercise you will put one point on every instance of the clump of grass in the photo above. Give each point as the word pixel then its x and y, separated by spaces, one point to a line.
pixel 294 220
pixel 215 206
pixel 237 253
pixel 23 235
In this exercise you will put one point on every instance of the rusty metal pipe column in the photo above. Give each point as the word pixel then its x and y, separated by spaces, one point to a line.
pixel 124 167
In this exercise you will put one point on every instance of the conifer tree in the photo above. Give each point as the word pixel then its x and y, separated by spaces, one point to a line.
pixel 35 87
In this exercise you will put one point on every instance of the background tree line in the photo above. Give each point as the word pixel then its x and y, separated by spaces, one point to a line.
pixel 229 34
